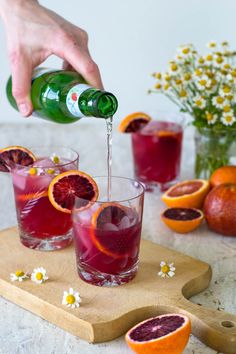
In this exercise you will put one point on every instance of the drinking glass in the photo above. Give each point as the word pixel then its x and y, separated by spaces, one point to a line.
pixel 157 151
pixel 41 225
pixel 107 233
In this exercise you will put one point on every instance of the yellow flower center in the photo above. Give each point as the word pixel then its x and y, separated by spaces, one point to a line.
pixel 158 76
pixel 219 60
pixel 209 57
pixel 226 108
pixel 201 61
pixel 228 118
pixel 213 82
pixel 209 116
pixel 226 89
pixel 198 72
pixel 183 93
pixel 174 67
pixel 203 82
pixel 165 269
pixel 219 99
pixel 166 86
pixel 229 97
pixel 199 102
pixel 70 299
pixel 19 273
pixel 56 160
pixel 185 50
pixel 224 72
pixel 233 73
pixel 212 44
pixel 187 77
pixel 178 82
pixel 39 276
pixel 227 66
pixel 33 171
pixel 50 171
pixel 158 86
pixel 224 44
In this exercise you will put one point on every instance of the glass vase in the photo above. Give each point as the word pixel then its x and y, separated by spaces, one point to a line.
pixel 213 150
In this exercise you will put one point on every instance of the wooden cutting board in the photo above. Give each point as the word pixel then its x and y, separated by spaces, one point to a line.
pixel 107 313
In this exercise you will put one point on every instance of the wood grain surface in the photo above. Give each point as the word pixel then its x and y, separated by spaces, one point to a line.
pixel 107 313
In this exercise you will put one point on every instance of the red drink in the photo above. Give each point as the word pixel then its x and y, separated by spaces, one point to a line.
pixel 107 238
pixel 41 225
pixel 157 153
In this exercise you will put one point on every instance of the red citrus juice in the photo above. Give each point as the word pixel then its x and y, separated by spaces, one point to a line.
pixel 157 152
pixel 37 217
pixel 110 247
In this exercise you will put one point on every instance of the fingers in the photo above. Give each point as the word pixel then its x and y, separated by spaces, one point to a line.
pixel 21 69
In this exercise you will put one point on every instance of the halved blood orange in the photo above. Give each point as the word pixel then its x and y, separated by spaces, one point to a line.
pixel 134 122
pixel 68 185
pixel 187 194
pixel 15 155
pixel 105 223
pixel 165 334
pixel 182 220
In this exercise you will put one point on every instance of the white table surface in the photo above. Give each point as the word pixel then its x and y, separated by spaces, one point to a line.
pixel 24 333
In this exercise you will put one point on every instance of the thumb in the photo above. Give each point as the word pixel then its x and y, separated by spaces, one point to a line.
pixel 21 68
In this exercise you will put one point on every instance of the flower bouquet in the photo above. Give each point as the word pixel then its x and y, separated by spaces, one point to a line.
pixel 205 88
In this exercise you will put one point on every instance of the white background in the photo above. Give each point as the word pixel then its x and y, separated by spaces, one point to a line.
pixel 130 39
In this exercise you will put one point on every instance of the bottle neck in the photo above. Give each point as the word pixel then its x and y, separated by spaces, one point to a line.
pixel 83 100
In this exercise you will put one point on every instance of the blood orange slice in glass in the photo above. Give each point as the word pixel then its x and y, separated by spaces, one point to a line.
pixel 134 122
pixel 113 229
pixel 160 335
pixel 68 185
pixel 15 155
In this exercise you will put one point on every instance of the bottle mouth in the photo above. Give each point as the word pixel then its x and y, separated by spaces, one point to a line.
pixel 106 104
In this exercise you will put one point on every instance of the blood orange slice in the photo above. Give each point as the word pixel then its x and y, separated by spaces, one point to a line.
pixel 165 334
pixel 187 194
pixel 134 122
pixel 111 229
pixel 15 155
pixel 182 220
pixel 68 185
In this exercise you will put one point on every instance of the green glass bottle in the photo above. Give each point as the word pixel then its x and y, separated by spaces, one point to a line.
pixel 65 97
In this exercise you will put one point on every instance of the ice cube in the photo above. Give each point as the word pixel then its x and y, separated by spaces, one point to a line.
pixel 44 162
pixel 125 223
pixel 109 227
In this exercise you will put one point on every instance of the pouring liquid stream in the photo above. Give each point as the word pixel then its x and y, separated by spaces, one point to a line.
pixel 109 156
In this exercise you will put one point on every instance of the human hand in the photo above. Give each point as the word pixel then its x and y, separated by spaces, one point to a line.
pixel 33 34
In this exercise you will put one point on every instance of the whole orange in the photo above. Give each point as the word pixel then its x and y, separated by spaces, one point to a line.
pixel 224 174
pixel 220 209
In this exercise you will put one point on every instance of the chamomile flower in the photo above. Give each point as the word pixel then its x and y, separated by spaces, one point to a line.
pixel 158 76
pixel 71 298
pixel 35 171
pixel 201 60
pixel 183 94
pixel 199 102
pixel 219 61
pixel 19 275
pixel 225 91
pixel 158 86
pixel 178 82
pixel 179 59
pixel 167 77
pixel 212 44
pixel 174 68
pixel 39 275
pixel 203 82
pixel 187 77
pixel 228 118
pixel 218 101
pixel 211 118
pixel 55 158
pixel 185 51
pixel 166 86
pixel 226 108
pixel 198 73
pixel 167 270
pixel 209 59
pixel 225 44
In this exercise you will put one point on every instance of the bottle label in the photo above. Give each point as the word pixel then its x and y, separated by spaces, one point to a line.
pixel 72 99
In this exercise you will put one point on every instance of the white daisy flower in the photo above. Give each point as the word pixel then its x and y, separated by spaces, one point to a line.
pixel 201 60
pixel 19 275
pixel 228 118
pixel 179 59
pixel 55 158
pixel 225 91
pixel 211 118
pixel 203 82
pixel 167 270
pixel 198 73
pixel 158 86
pixel 218 101
pixel 225 44
pixel 35 171
pixel 219 61
pixel 71 299
pixel 183 95
pixel 212 44
pixel 174 68
pixel 166 87
pixel 199 102
pixel 39 275
pixel 185 51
